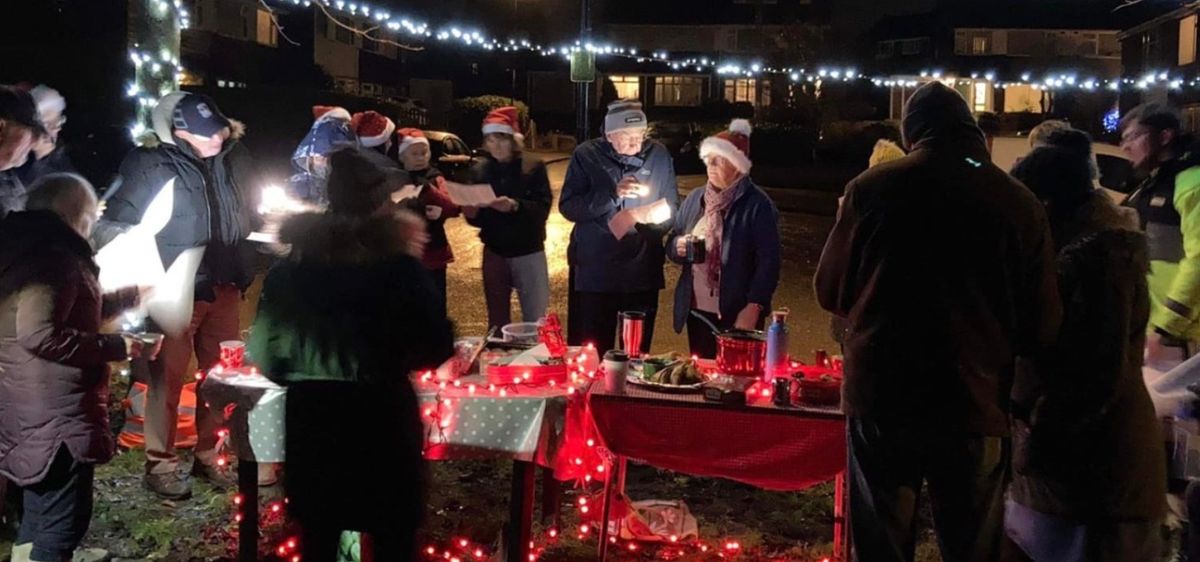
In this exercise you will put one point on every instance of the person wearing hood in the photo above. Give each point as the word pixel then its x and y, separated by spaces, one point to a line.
pixel 20 129
pixel 611 274
pixel 195 149
pixel 731 286
pixel 1168 203
pixel 330 130
pixel 1090 479
pixel 944 266
pixel 54 364
pixel 342 322
pixel 513 227
pixel 433 202
pixel 49 156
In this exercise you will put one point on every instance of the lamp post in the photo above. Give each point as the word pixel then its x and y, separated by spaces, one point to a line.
pixel 583 90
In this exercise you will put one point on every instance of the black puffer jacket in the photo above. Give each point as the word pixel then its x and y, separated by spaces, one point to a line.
pixel 214 205
pixel 53 361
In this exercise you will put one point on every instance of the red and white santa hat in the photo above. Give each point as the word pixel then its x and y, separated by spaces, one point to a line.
pixel 732 145
pixel 372 128
pixel 322 112
pixel 503 120
pixel 407 137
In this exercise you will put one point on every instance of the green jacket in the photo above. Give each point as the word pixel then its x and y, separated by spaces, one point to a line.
pixel 347 305
pixel 1168 203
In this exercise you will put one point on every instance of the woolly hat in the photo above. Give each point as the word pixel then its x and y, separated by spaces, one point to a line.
pixel 503 120
pixel 624 114
pixel 885 151
pixel 732 145
pixel 407 137
pixel 372 128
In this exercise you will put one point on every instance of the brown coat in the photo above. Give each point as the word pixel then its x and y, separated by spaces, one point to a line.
pixel 1087 443
pixel 53 361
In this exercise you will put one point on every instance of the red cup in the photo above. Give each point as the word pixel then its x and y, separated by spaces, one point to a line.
pixel 233 354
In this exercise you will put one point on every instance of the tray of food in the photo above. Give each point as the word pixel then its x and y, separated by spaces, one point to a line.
pixel 671 372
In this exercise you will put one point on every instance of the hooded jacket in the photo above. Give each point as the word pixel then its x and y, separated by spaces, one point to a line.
pixel 944 266
pixel 602 263
pixel 53 361
pixel 214 200
pixel 1087 440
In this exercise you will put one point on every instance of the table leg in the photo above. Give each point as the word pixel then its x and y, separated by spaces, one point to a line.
pixel 840 527
pixel 551 499
pixel 520 517
pixel 616 481
pixel 247 474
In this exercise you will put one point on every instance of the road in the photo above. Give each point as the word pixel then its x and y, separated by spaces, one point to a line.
pixel 803 236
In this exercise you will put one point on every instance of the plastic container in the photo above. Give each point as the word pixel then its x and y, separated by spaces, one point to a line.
pixel 521 332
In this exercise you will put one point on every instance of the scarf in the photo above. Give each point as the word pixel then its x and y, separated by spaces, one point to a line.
pixel 716 204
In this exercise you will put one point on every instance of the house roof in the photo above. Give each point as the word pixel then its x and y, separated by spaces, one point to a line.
pixel 1006 14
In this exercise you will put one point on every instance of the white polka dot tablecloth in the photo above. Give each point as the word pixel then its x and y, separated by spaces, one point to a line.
pixel 256 421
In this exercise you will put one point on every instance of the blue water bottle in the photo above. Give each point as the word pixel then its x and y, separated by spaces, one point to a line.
pixel 777 346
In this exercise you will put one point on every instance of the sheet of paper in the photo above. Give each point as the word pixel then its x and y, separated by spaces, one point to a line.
pixel 265 237
pixel 657 212
pixel 477 195
pixel 406 192
pixel 622 223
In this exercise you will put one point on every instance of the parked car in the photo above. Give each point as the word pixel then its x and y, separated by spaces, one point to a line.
pixel 682 139
pixel 1116 173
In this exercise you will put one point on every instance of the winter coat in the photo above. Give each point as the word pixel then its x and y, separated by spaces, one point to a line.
pixel 1087 440
pixel 53 361
pixel 750 252
pixel 214 205
pixel 56 162
pixel 12 193
pixel 944 266
pixel 438 253
pixel 342 322
pixel 523 232
pixel 602 263
pixel 1168 203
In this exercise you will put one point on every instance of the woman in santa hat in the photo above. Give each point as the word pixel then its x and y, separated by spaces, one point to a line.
pixel 374 130
pixel 513 227
pixel 433 202
pixel 731 281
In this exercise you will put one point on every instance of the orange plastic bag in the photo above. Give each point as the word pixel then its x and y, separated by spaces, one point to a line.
pixel 132 435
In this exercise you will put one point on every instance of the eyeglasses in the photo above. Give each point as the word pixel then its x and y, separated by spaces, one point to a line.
pixel 1133 135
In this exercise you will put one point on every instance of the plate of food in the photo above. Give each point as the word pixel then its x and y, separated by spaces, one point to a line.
pixel 667 373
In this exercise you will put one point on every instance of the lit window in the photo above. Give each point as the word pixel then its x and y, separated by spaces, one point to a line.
pixel 741 90
pixel 980 97
pixel 628 87
pixel 980 45
pixel 1187 40
pixel 678 90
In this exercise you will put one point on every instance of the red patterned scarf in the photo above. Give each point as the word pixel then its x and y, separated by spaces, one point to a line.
pixel 716 204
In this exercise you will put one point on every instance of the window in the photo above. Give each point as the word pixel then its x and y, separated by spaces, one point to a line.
pixel 741 90
pixel 1187 40
pixel 913 46
pixel 1022 99
pixel 1191 117
pixel 980 45
pixel 764 98
pixel 342 34
pixel 885 49
pixel 628 87
pixel 678 90
pixel 979 96
pixel 266 29
pixel 347 85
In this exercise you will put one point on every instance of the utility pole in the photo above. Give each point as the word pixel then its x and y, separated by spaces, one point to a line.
pixel 583 90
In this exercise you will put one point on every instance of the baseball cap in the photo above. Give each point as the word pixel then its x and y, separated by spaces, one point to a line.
pixel 198 115
pixel 17 105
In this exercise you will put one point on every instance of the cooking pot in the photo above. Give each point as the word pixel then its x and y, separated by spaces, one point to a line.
pixel 740 353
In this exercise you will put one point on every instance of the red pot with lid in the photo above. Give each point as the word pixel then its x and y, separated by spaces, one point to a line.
pixel 741 352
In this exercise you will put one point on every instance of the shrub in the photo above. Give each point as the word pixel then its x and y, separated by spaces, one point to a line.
pixel 466 115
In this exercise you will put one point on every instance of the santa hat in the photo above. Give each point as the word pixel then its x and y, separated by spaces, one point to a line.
pixel 372 128
pixel 732 145
pixel 324 112
pixel 503 120
pixel 408 137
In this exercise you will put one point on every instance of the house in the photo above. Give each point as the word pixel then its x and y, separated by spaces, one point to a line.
pixel 998 58
pixel 1164 43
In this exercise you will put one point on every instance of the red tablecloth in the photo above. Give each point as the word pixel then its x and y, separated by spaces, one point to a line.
pixel 761 445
